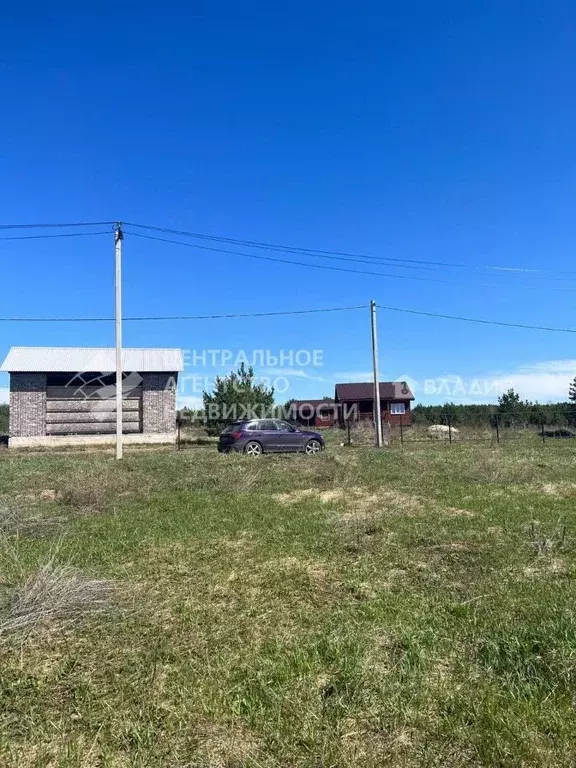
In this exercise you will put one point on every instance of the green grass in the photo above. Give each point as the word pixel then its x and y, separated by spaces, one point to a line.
pixel 361 608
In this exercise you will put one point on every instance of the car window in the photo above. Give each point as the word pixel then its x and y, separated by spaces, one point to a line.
pixel 231 428
pixel 284 426
pixel 253 427
pixel 267 425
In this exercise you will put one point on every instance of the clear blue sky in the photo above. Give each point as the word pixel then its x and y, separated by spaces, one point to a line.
pixel 441 131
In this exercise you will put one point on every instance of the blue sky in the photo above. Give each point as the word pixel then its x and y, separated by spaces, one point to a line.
pixel 420 131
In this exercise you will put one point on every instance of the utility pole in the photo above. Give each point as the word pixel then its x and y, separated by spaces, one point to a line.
pixel 377 413
pixel 118 237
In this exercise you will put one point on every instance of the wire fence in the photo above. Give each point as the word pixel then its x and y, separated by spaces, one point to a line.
pixel 496 429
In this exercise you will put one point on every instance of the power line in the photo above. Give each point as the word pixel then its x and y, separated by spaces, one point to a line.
pixel 458 318
pixel 60 234
pixel 359 259
pixel 344 255
pixel 340 269
pixel 403 263
pixel 291 262
pixel 252 314
pixel 175 317
pixel 424 263
pixel 477 320
pixel 56 226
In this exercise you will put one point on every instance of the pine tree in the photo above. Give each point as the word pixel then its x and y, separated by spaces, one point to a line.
pixel 572 390
pixel 235 397
pixel 512 409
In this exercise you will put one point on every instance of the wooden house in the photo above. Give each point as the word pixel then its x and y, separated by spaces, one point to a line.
pixel 355 402
pixel 314 413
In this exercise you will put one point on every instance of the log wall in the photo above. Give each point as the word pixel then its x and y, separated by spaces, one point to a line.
pixel 74 411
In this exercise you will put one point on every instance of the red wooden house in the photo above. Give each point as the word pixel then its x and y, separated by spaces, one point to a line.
pixel 314 413
pixel 355 402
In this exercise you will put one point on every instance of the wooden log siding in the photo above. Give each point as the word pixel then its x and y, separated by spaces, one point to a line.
pixel 89 428
pixel 74 411
pixel 90 406
pixel 82 417
pixel 89 393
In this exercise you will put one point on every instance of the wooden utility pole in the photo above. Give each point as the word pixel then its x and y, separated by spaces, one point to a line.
pixel 377 413
pixel 118 237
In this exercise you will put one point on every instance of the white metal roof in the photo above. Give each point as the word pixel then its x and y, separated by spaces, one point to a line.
pixel 96 359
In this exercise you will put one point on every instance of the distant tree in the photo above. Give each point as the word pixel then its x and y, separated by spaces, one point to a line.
pixel 572 390
pixel 286 411
pixel 4 419
pixel 450 414
pixel 236 396
pixel 511 409
pixel 509 401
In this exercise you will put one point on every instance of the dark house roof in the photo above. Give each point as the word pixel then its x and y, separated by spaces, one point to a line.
pixel 389 390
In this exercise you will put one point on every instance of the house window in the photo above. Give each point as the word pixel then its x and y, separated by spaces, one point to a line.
pixel 397 408
pixel 324 415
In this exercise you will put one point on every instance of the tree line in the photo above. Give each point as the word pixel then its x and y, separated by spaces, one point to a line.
pixel 239 390
pixel 511 410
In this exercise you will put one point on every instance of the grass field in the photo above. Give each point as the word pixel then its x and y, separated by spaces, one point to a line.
pixel 361 608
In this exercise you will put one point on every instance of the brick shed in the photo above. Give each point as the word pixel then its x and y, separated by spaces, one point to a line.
pixel 67 395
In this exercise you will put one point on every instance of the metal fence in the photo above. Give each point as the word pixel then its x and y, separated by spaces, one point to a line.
pixel 191 434
pixel 496 429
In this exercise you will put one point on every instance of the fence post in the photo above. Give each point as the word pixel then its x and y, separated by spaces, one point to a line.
pixel 543 435
pixel 450 429
pixel 348 426
pixel 401 433
pixel 497 429
pixel 179 428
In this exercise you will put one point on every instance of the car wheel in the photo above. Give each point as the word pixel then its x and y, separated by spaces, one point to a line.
pixel 253 448
pixel 313 447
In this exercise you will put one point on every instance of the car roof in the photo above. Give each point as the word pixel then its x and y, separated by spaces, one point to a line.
pixel 257 418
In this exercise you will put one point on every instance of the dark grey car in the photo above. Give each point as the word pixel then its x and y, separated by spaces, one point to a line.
pixel 257 436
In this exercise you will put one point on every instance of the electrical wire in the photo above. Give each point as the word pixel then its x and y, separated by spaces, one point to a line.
pixel 343 255
pixel 321 253
pixel 438 315
pixel 175 317
pixel 61 234
pixel 290 249
pixel 63 226
pixel 252 314
pixel 477 320
pixel 341 269
pixel 424 263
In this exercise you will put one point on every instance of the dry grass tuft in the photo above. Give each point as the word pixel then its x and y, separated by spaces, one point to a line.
pixel 55 594
pixel 248 480
pixel 224 747
pixel 359 503
pixel 498 467
pixel 561 490
pixel 16 519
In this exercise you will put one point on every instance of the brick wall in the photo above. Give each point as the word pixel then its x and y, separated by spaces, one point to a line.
pixel 27 404
pixel 158 402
